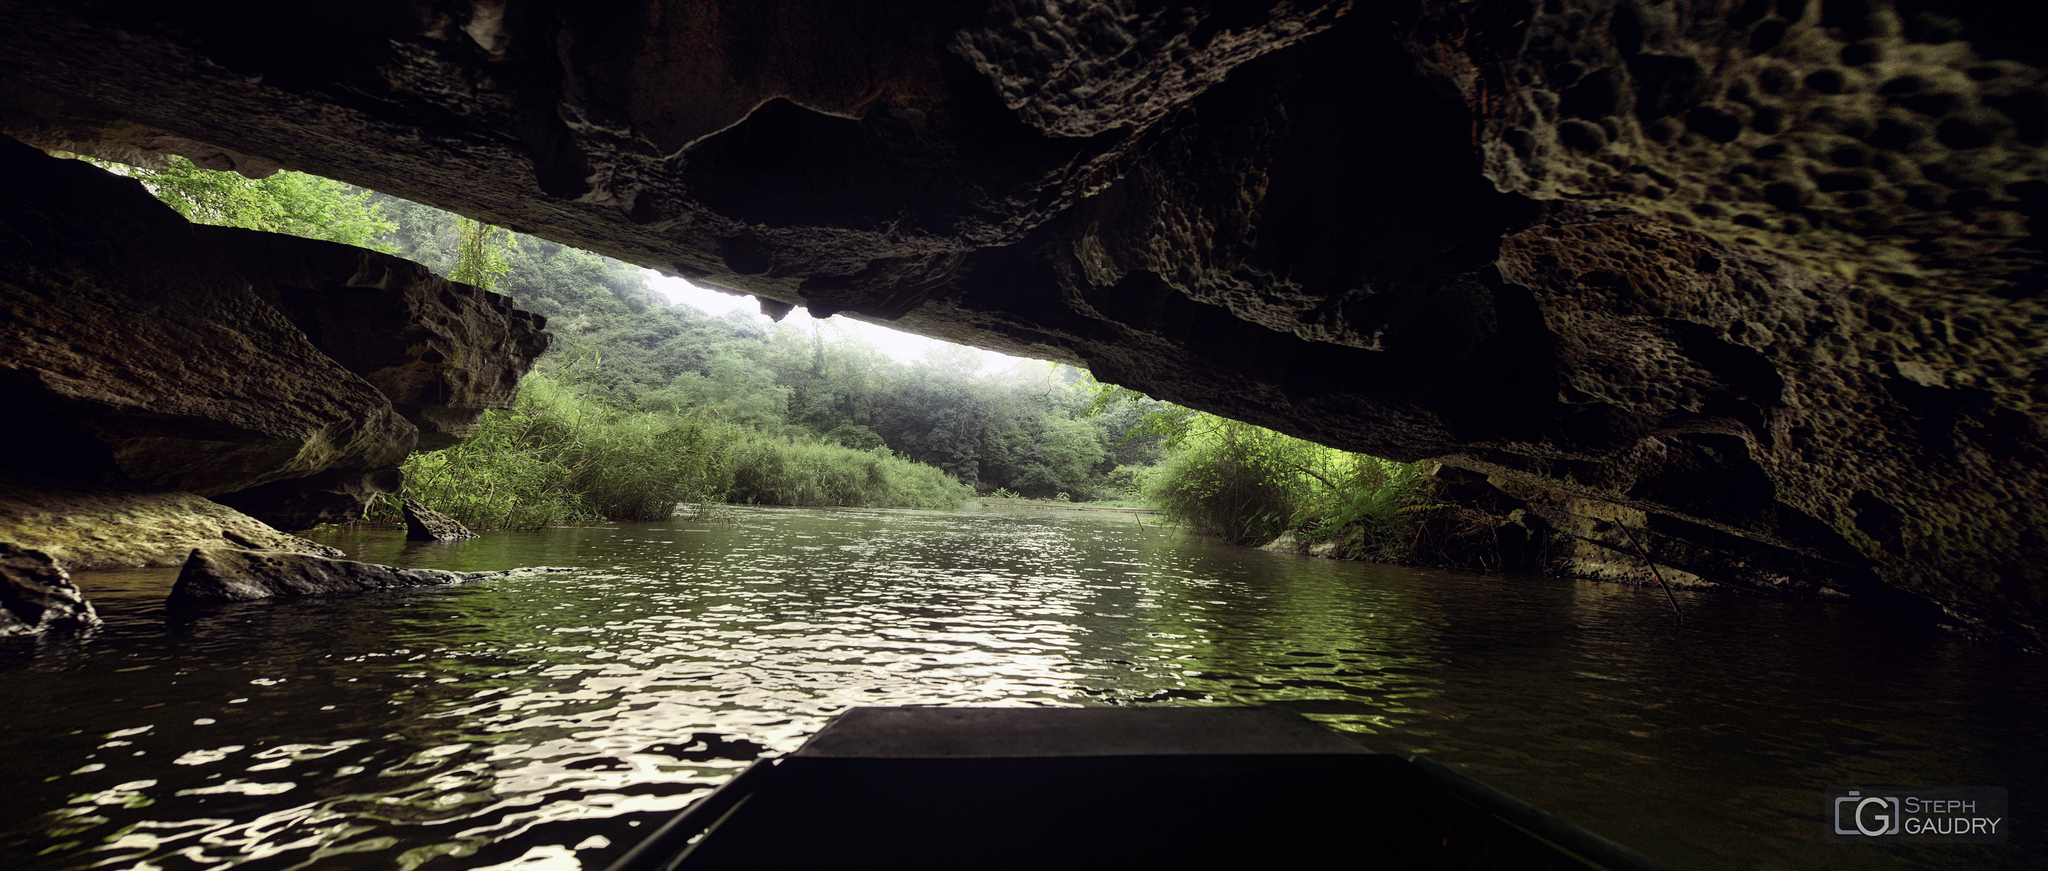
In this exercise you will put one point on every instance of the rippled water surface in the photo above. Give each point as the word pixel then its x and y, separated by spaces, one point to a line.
pixel 544 721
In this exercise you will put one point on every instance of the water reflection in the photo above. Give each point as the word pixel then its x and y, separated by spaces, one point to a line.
pixel 536 720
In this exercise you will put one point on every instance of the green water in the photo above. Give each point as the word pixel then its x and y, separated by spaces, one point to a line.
pixel 545 721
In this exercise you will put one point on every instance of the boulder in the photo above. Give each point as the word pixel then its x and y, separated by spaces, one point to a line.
pixel 104 528
pixel 36 595
pixel 215 576
pixel 443 352
pixel 426 524
pixel 145 360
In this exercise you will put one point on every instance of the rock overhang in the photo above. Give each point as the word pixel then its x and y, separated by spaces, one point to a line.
pixel 1763 268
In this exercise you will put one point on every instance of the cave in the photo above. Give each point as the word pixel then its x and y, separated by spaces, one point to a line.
pixel 1761 280
pixel 1742 293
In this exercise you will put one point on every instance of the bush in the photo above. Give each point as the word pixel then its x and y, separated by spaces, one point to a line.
pixel 1238 482
pixel 559 457
pixel 1247 485
pixel 779 470
pixel 1372 513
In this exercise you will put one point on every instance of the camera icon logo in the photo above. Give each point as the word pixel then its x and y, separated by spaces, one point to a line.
pixel 1868 815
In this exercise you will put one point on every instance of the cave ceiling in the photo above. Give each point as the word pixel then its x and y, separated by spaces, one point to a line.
pixel 1765 270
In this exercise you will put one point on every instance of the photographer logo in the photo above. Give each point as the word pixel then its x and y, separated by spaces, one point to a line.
pixel 1924 815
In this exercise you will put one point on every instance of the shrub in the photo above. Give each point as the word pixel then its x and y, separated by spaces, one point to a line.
pixel 559 457
pixel 1247 485
pixel 1238 482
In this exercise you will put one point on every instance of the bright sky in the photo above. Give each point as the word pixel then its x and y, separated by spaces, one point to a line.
pixel 904 347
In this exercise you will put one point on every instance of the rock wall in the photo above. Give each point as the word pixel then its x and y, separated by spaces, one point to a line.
pixel 1762 273
pixel 157 391
pixel 145 359
pixel 442 352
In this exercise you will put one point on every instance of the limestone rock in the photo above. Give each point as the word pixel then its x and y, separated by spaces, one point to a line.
pixel 441 351
pixel 53 124
pixel 1283 543
pixel 101 528
pixel 218 576
pixel 36 595
pixel 426 524
pixel 215 576
pixel 332 496
pixel 145 359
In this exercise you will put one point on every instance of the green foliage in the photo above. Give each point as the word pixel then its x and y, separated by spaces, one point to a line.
pixel 558 457
pixel 1371 511
pixel 1247 485
pixel 772 470
pixel 561 457
pixel 287 202
pixel 1238 482
pixel 618 344
pixel 641 405
pixel 481 254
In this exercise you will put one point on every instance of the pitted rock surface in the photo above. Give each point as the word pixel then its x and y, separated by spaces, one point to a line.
pixel 1864 139
pixel 1764 274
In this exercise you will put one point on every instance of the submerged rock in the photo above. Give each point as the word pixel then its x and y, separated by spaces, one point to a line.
pixel 426 524
pixel 213 576
pixel 217 576
pixel 36 595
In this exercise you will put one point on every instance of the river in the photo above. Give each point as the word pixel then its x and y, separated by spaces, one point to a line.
pixel 544 721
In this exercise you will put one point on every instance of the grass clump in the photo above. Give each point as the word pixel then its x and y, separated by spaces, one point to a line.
pixel 767 469
pixel 1249 485
pixel 559 457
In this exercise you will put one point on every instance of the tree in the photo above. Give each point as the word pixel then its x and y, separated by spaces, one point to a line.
pixel 287 202
pixel 480 256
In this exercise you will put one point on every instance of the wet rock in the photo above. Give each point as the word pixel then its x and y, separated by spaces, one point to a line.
pixel 36 595
pixel 214 576
pixel 1283 543
pixel 426 524
pixel 443 352
pixel 217 576
pixel 101 528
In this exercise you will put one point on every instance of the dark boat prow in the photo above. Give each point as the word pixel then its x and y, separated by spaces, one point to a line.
pixel 1107 787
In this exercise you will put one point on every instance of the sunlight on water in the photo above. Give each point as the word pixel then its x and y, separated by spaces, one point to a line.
pixel 548 721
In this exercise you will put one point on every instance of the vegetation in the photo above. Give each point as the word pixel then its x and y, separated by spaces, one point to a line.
pixel 1249 485
pixel 642 406
pixel 287 202
pixel 480 256
pixel 562 457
